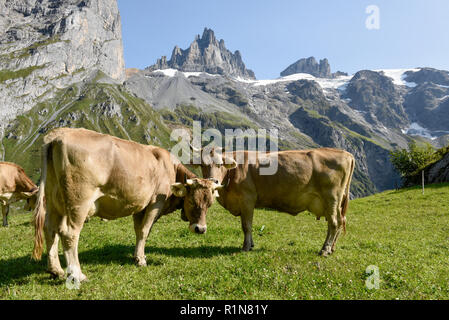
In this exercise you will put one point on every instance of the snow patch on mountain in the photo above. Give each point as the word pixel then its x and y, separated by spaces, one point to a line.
pixel 173 72
pixel 398 76
pixel 334 83
pixel 416 130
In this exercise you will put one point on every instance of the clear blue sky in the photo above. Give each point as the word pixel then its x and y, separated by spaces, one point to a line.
pixel 273 34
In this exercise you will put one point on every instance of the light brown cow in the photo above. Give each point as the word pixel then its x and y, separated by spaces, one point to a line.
pixel 315 180
pixel 15 185
pixel 85 173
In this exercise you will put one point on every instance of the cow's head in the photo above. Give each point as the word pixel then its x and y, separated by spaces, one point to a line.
pixel 215 163
pixel 31 199
pixel 198 194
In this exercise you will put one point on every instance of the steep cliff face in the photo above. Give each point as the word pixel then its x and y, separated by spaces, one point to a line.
pixel 206 54
pixel 51 44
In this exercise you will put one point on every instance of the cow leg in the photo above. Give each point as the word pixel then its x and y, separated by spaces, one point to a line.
pixel 327 239
pixel 5 211
pixel 143 222
pixel 247 227
pixel 339 228
pixel 332 230
pixel 332 212
pixel 52 223
pixel 69 239
pixel 335 239
pixel 69 232
pixel 72 223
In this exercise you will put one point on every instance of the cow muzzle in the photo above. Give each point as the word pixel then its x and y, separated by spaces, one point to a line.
pixel 199 229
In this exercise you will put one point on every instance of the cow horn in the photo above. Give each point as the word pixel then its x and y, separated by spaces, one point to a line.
pixel 228 181
pixel 29 194
pixel 195 149
pixel 218 186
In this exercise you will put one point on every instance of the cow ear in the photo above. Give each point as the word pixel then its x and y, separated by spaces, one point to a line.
pixel 29 194
pixel 178 189
pixel 229 163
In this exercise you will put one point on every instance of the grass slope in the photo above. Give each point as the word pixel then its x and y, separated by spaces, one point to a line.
pixel 101 107
pixel 404 233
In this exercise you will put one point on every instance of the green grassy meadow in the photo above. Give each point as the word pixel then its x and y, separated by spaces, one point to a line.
pixel 404 233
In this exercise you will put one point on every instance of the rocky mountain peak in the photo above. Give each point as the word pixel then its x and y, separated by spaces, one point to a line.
pixel 208 38
pixel 206 54
pixel 311 66
pixel 376 95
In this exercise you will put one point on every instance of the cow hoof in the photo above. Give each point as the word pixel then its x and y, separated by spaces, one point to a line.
pixel 76 276
pixel 247 249
pixel 56 274
pixel 140 262
pixel 325 253
pixel 83 278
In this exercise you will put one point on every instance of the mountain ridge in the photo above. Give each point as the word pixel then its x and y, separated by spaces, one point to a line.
pixel 368 113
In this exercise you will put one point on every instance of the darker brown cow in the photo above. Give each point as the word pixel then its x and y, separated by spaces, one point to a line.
pixel 315 180
pixel 15 185
pixel 85 173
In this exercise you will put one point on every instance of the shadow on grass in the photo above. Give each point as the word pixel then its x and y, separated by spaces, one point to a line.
pixel 122 254
pixel 25 224
pixel 17 270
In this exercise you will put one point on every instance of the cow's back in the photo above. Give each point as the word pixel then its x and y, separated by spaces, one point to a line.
pixel 14 179
pixel 124 175
pixel 303 178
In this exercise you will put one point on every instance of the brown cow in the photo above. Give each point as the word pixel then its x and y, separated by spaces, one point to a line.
pixel 85 173
pixel 15 185
pixel 314 180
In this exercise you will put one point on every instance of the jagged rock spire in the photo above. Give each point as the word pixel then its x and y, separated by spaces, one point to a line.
pixel 206 54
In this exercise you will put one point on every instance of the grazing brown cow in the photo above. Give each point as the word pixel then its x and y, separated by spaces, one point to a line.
pixel 15 185
pixel 315 180
pixel 85 173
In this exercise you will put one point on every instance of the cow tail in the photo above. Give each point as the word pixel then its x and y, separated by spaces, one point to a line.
pixel 345 202
pixel 40 210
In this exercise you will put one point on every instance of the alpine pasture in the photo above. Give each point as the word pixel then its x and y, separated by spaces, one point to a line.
pixel 404 233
